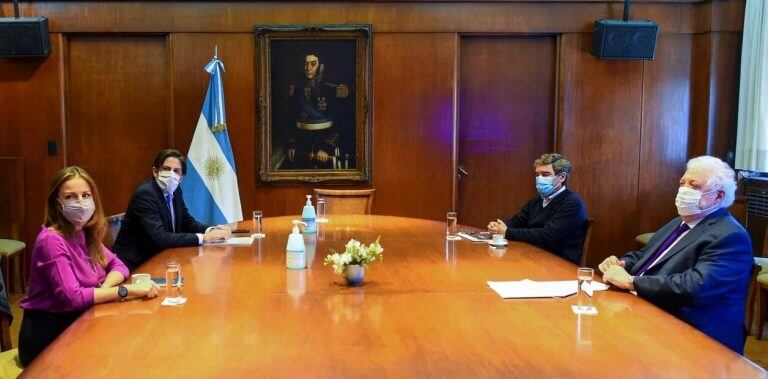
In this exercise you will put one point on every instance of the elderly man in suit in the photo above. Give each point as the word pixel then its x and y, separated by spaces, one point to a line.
pixel 697 266
pixel 157 217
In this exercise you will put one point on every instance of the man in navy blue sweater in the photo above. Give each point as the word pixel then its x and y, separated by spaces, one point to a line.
pixel 555 219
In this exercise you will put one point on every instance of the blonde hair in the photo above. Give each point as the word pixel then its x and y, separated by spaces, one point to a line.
pixel 95 229
pixel 719 174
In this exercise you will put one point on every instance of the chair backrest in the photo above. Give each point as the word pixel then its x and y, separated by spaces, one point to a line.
pixel 750 298
pixel 5 328
pixel 114 223
pixel 12 192
pixel 346 201
pixel 587 237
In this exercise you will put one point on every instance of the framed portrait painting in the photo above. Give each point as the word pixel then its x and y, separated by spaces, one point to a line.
pixel 314 102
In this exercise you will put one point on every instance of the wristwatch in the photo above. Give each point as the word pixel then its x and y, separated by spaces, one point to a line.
pixel 122 292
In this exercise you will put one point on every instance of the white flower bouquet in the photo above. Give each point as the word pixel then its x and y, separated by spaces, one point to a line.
pixel 355 253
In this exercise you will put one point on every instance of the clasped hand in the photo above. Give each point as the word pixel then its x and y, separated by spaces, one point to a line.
pixel 146 290
pixel 614 272
pixel 497 227
pixel 217 233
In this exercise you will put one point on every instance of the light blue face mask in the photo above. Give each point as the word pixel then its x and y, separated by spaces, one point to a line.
pixel 545 184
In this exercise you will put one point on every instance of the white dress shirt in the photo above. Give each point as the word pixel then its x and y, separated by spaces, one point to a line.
pixel 548 199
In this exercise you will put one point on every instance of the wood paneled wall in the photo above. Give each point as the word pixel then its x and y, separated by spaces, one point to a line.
pixel 31 102
pixel 601 122
pixel 666 122
pixel 413 113
pixel 117 110
pixel 126 78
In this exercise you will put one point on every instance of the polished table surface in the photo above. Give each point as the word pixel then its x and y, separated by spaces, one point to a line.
pixel 425 310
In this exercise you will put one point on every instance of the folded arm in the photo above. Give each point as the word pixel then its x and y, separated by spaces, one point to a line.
pixel 151 220
pixel 565 223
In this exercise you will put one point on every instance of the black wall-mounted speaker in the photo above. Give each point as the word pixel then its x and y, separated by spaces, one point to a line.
pixel 24 37
pixel 625 40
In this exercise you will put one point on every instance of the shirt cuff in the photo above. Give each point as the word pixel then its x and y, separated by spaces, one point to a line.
pixel 199 239
pixel 89 298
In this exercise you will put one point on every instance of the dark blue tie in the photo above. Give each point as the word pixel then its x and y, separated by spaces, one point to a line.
pixel 664 246
pixel 169 203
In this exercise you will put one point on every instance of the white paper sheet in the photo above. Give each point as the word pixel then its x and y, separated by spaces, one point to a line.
pixel 531 289
pixel 172 303
pixel 584 311
pixel 233 241
pixel 594 286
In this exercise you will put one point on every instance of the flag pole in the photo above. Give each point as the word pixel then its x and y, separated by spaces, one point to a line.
pixel 215 51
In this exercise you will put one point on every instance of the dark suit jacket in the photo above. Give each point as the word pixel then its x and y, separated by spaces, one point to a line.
pixel 703 279
pixel 147 226
pixel 4 305
pixel 558 228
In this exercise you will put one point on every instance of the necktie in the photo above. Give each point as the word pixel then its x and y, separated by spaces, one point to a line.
pixel 169 203
pixel 546 201
pixel 664 246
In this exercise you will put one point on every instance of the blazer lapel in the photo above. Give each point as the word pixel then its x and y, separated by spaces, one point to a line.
pixel 665 231
pixel 694 234
pixel 161 198
pixel 175 204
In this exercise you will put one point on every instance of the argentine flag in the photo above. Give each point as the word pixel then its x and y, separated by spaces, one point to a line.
pixel 210 186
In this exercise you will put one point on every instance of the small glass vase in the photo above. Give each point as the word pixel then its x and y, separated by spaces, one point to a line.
pixel 354 274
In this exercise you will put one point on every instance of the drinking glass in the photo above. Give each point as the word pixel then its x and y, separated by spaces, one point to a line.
pixel 258 227
pixel 451 251
pixel 584 275
pixel 173 283
pixel 452 227
pixel 584 332
pixel 321 211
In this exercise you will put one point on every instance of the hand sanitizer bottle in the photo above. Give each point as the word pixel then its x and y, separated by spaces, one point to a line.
pixel 308 216
pixel 295 255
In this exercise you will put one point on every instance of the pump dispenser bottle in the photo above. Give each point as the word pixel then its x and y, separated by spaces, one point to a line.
pixel 308 216
pixel 295 253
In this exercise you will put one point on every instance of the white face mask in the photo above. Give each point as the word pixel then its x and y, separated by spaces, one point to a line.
pixel 687 201
pixel 78 212
pixel 168 181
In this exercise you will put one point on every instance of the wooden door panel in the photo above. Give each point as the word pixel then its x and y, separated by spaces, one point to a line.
pixel 506 118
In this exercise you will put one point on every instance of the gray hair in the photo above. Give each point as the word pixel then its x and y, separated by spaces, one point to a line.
pixel 719 174
pixel 559 164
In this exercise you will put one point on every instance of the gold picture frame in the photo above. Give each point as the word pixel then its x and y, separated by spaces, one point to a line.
pixel 313 103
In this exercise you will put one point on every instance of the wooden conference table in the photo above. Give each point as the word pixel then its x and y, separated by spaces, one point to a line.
pixel 425 310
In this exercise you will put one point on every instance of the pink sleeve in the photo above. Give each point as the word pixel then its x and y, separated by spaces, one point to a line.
pixel 54 261
pixel 115 264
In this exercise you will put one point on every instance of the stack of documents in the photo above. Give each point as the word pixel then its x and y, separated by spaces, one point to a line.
pixel 234 241
pixel 529 289
pixel 475 236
